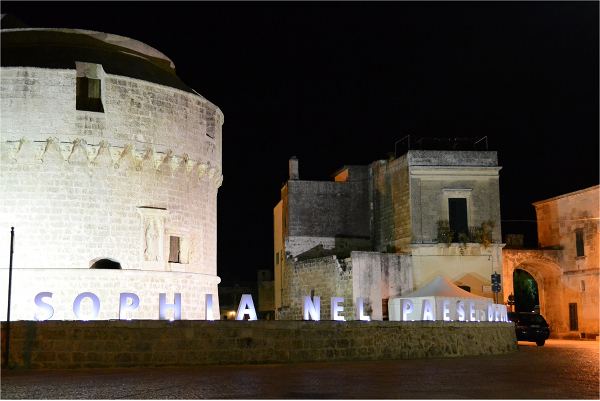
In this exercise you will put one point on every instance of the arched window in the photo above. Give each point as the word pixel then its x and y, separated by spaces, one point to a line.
pixel 105 264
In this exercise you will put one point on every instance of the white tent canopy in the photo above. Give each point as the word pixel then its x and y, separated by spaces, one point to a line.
pixel 441 300
pixel 441 287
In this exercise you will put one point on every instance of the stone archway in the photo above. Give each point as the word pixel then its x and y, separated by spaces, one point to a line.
pixel 105 263
pixel 544 266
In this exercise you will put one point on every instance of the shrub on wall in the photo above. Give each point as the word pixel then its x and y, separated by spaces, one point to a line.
pixel 445 233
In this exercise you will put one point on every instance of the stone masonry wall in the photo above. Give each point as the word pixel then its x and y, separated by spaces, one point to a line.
pixel 72 180
pixel 328 209
pixel 54 344
pixel 325 277
pixel 391 226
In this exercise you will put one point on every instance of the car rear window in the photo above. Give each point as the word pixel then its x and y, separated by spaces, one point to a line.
pixel 532 319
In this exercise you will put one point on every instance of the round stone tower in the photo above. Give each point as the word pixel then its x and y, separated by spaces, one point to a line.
pixel 109 172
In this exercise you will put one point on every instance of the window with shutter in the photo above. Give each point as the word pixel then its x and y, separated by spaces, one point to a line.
pixel 174 253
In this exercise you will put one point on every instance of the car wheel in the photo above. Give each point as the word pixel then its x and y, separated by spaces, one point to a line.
pixel 540 342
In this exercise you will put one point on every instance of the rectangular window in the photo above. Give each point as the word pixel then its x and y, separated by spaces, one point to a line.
pixel 573 323
pixel 174 250
pixel 579 243
pixel 277 258
pixel 582 285
pixel 89 95
pixel 457 216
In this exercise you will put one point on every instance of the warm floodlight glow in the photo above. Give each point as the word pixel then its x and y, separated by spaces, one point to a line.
pixel 446 310
pixel 47 307
pixel 209 308
pixel 360 311
pixel 336 308
pixel 407 307
pixel 124 307
pixel 460 311
pixel 311 310
pixel 246 308
pixel 426 311
pixel 164 307
pixel 95 307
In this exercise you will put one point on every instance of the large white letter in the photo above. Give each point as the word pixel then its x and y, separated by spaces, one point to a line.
pixel 426 312
pixel 407 307
pixel 490 312
pixel 95 307
pixel 504 313
pixel 208 313
pixel 335 308
pixel 472 312
pixel 310 310
pixel 496 313
pixel 360 311
pixel 459 311
pixel 246 308
pixel 163 307
pixel 123 307
pixel 40 303
pixel 446 310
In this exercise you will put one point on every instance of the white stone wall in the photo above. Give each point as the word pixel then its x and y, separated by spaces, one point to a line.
pixel 66 284
pixel 431 189
pixel 72 181
pixel 470 265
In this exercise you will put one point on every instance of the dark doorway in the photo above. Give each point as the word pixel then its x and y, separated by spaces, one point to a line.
pixel 573 320
pixel 457 213
pixel 106 264
pixel 526 292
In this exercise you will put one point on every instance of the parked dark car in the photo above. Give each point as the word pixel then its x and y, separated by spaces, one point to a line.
pixel 530 327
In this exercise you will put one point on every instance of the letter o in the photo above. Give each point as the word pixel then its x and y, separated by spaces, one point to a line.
pixel 77 305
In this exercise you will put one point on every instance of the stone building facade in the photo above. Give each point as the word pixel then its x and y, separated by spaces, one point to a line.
pixel 107 159
pixel 565 266
pixel 373 232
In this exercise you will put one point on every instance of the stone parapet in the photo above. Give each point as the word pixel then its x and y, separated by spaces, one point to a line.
pixel 142 343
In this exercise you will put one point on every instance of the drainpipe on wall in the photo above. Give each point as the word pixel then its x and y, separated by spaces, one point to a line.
pixel 12 238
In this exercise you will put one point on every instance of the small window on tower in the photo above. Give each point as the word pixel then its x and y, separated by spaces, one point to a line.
pixel 88 95
pixel 89 87
pixel 579 243
pixel 175 247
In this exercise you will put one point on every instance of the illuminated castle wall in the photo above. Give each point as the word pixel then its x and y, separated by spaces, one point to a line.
pixel 106 157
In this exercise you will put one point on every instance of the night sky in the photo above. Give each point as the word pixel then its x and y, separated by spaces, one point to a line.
pixel 339 83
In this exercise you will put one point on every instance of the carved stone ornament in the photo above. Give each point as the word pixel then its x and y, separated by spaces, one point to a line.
pixel 152 237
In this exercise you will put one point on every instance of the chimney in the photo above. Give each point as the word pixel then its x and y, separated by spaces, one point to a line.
pixel 294 169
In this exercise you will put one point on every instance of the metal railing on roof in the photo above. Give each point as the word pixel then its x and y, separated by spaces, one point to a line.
pixel 429 143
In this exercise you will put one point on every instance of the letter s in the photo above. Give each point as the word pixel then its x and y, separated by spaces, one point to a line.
pixel 41 304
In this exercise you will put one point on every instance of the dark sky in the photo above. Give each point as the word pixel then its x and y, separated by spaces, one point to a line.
pixel 339 83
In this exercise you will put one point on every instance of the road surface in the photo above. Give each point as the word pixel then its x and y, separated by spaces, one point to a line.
pixel 560 369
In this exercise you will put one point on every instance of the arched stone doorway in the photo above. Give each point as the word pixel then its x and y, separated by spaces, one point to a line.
pixel 544 266
pixel 105 263
pixel 525 290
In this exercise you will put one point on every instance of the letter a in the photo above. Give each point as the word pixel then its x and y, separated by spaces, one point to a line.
pixel 246 308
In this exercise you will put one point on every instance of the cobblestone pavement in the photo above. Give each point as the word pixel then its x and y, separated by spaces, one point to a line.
pixel 560 369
